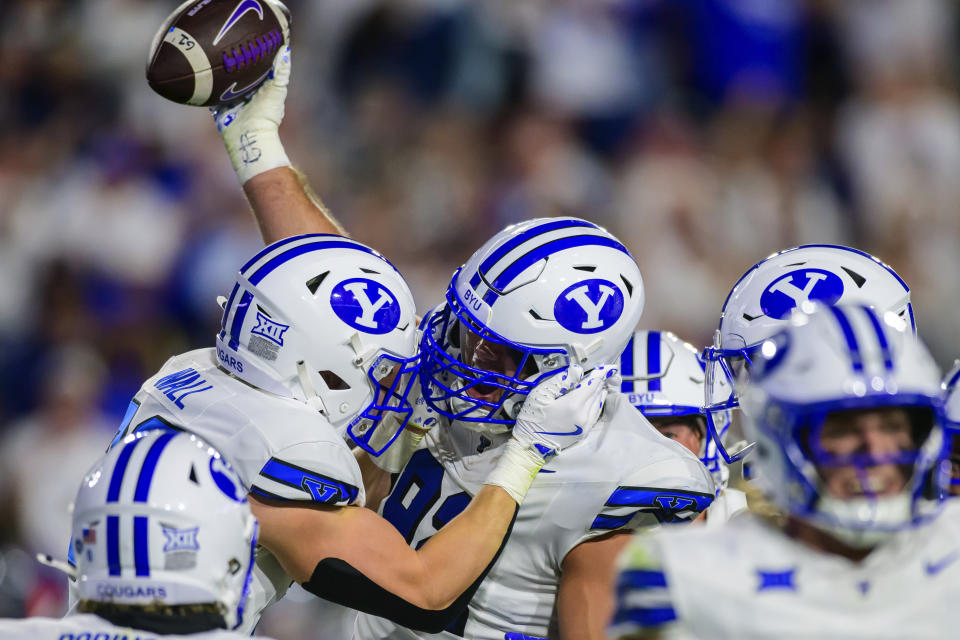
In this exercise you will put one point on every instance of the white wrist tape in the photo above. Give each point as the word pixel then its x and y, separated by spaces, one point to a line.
pixel 254 151
pixel 516 471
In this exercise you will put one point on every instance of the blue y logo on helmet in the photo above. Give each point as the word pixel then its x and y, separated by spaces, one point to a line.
pixel 366 305
pixel 589 306
pixel 789 291
pixel 226 480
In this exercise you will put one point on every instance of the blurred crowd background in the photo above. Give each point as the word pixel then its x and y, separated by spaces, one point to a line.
pixel 707 134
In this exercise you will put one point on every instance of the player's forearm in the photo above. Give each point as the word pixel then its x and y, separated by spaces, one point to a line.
pixel 376 481
pixel 283 206
pixel 457 555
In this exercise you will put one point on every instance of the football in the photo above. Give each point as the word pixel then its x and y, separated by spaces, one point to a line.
pixel 210 52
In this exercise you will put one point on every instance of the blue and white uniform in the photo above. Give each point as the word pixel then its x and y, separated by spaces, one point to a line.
pixel 750 580
pixel 280 447
pixel 623 475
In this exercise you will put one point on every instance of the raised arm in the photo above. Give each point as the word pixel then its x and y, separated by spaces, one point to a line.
pixel 354 557
pixel 282 201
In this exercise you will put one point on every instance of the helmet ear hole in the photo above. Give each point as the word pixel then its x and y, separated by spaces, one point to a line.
pixel 333 381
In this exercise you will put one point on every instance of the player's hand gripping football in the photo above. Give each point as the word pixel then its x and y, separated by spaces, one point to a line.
pixel 250 127
pixel 556 415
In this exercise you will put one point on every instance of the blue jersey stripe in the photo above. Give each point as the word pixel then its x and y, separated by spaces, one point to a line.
pixel 653 361
pixel 237 326
pixel 519 239
pixel 282 243
pixel 646 616
pixel 116 480
pixel 113 545
pixel 321 488
pixel 127 418
pixel 677 499
pixel 534 256
pixel 150 466
pixel 611 522
pixel 626 368
pixel 641 579
pixel 141 546
pixel 294 252
pixel 881 338
pixel 850 337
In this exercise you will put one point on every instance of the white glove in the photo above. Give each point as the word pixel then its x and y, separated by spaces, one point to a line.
pixel 250 127
pixel 556 415
pixel 423 418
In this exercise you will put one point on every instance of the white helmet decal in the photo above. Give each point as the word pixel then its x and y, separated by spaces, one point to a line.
pixel 589 306
pixel 366 305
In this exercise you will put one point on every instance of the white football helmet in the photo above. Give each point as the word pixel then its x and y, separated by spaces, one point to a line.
pixel 163 519
pixel 951 403
pixel 818 368
pixel 762 300
pixel 663 376
pixel 537 297
pixel 329 321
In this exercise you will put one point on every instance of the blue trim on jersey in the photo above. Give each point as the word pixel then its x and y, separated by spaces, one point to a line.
pixel 881 338
pixel 141 546
pixel 626 368
pixel 156 423
pixel 321 488
pixel 113 545
pixel 116 480
pixel 611 522
pixel 524 262
pixel 127 418
pixel 851 338
pixel 150 466
pixel 237 325
pixel 641 579
pixel 646 616
pixel 519 239
pixel 516 635
pixel 71 556
pixel 653 361
pixel 268 267
pixel 667 499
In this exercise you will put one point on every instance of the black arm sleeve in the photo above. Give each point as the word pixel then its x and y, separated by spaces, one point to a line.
pixel 338 581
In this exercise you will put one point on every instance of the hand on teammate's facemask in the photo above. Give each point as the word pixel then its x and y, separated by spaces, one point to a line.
pixel 422 419
pixel 556 415
pixel 562 409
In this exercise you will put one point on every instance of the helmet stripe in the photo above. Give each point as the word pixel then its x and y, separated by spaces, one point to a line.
pixel 116 480
pixel 881 338
pixel 653 361
pixel 953 379
pixel 626 368
pixel 242 307
pixel 282 243
pixel 141 542
pixel 851 338
pixel 519 239
pixel 141 546
pixel 113 545
pixel 534 256
pixel 268 267
pixel 150 465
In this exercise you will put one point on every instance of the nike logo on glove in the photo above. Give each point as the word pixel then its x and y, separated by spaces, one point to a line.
pixel 933 568
pixel 575 432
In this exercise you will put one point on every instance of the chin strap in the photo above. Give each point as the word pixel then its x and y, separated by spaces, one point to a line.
pixel 314 400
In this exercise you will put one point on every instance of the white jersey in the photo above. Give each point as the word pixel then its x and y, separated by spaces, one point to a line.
pixel 622 475
pixel 750 580
pixel 726 505
pixel 280 447
pixel 90 627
